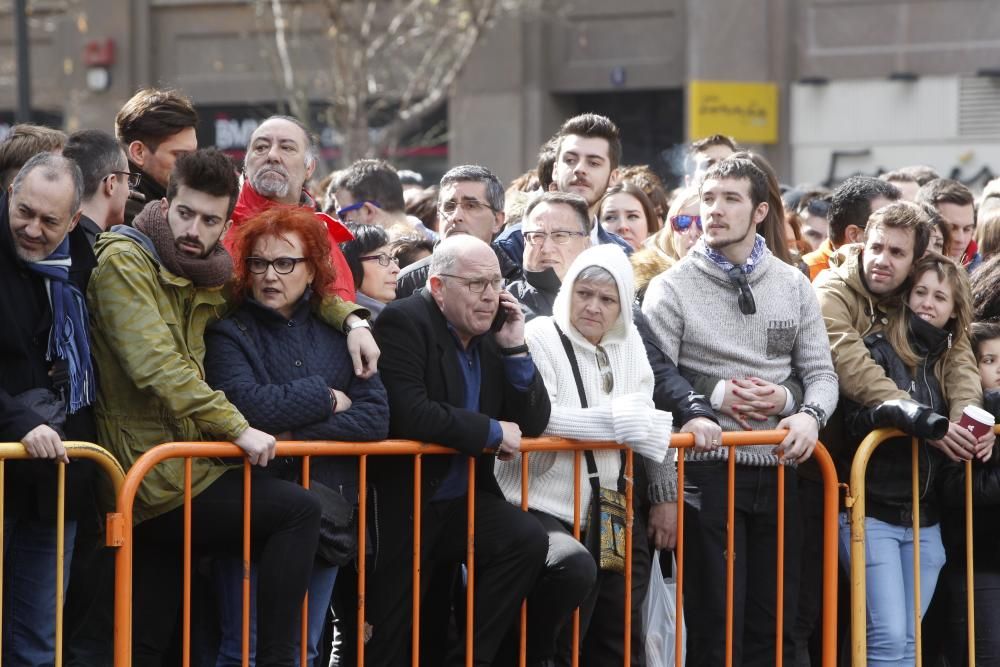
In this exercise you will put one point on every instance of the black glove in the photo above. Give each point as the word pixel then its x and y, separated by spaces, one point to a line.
pixel 911 417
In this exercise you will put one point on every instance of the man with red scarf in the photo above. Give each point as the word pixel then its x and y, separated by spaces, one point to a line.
pixel 281 156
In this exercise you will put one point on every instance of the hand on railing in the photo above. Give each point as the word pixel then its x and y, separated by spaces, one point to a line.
pixel 259 446
pixel 42 442
pixel 511 443
pixel 707 434
pixel 803 432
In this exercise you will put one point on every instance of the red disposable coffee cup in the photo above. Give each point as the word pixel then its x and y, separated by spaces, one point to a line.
pixel 977 421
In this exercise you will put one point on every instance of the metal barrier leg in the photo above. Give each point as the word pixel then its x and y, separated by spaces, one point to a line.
pixel 575 646
pixel 246 564
pixel 522 649
pixel 970 583
pixel 679 556
pixel 915 481
pixel 730 555
pixel 470 597
pixel 417 527
pixel 60 557
pixel 186 614
pixel 779 641
pixel 362 525
pixel 629 512
pixel 304 640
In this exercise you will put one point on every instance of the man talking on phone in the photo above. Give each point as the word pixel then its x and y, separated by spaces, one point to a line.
pixel 454 380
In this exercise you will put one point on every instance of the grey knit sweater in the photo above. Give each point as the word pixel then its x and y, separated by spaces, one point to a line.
pixel 693 310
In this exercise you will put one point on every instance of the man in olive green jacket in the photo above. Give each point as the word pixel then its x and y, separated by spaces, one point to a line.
pixel 156 288
pixel 857 295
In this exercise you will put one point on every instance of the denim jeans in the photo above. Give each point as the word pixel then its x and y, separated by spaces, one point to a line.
pixel 29 589
pixel 889 585
pixel 227 574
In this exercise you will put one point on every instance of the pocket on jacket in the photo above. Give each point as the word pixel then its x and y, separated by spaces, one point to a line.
pixel 780 338
pixel 139 439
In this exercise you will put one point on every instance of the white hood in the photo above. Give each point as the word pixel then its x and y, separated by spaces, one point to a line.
pixel 611 258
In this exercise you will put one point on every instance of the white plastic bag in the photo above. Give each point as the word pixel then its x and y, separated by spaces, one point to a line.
pixel 658 619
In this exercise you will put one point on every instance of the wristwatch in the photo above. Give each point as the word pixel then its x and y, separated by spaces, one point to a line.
pixel 815 412
pixel 357 324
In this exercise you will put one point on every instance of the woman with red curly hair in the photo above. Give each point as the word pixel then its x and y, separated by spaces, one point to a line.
pixel 290 373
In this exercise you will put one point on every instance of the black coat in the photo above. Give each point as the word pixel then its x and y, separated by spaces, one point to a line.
pixel 536 293
pixel 888 481
pixel 985 503
pixel 420 369
pixel 27 318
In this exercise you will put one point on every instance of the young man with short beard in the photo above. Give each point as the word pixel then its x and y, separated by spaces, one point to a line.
pixel 731 309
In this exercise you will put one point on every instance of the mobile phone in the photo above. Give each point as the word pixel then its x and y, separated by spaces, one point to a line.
pixel 499 318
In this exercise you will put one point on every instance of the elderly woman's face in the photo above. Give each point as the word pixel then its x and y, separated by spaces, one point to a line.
pixel 272 288
pixel 594 308
pixel 381 269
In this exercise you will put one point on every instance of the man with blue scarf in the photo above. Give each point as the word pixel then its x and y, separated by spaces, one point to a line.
pixel 46 388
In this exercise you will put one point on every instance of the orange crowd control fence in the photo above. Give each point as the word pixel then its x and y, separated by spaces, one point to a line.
pixel 15 451
pixel 120 526
pixel 855 502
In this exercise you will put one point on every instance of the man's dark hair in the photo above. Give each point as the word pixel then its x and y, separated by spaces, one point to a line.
pixel 52 168
pixel 477 174
pixel 906 216
pixel 97 154
pixel 980 332
pixel 22 142
pixel 571 199
pixel 406 248
pixel 547 155
pixel 945 191
pixel 851 203
pixel 986 291
pixel 920 173
pixel 367 239
pixel 152 116
pixel 739 168
pixel 206 170
pixel 700 145
pixel 373 180
pixel 593 125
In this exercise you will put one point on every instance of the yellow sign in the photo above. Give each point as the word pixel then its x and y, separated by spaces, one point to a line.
pixel 748 112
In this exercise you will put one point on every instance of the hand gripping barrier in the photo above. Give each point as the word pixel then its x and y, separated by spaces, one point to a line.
pixel 121 534
pixel 855 502
pixel 15 451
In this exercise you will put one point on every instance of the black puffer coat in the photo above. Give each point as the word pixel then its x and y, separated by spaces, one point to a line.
pixel 889 488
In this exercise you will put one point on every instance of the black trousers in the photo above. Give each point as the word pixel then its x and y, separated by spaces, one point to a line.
pixel 284 529
pixel 755 578
pixel 811 572
pixel 510 547
pixel 987 609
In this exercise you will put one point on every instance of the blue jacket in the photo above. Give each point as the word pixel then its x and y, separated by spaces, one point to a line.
pixel 278 372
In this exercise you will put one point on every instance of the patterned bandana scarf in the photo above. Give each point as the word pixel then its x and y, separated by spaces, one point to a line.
pixel 68 338
pixel 755 258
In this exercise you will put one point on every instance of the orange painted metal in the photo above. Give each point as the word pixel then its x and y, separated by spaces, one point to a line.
pixel 186 636
pixel 417 523
pixel 779 630
pixel 470 564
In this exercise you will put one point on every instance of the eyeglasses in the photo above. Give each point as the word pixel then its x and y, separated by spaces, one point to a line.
pixel 681 223
pixel 282 265
pixel 537 239
pixel 747 304
pixel 382 258
pixel 604 365
pixel 356 206
pixel 132 176
pixel 477 285
pixel 470 206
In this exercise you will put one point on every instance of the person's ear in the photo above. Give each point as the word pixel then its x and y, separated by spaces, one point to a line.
pixel 72 223
pixel 854 234
pixel 499 218
pixel 138 152
pixel 760 212
pixel 164 206
pixel 614 177
pixel 109 184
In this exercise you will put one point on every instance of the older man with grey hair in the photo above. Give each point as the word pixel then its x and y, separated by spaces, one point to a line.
pixel 456 378
pixel 470 202
pixel 46 389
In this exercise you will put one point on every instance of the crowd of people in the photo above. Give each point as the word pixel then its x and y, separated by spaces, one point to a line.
pixel 156 291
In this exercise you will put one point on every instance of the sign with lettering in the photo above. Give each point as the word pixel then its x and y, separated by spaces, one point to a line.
pixel 748 112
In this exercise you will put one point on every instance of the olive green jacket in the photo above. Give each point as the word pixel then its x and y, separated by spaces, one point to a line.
pixel 147 339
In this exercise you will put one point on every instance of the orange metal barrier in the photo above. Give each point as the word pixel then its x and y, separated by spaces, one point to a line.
pixel 855 502
pixel 121 524
pixel 15 451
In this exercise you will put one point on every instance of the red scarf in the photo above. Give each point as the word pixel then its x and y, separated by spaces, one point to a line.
pixel 250 203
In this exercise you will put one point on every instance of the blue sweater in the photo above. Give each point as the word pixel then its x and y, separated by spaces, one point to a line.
pixel 278 372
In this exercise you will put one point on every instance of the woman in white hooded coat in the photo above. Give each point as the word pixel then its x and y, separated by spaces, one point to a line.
pixel 593 311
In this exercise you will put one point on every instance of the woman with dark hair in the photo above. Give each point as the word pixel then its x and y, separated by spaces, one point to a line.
pixel 986 291
pixel 289 373
pixel 374 267
pixel 625 210
pixel 773 227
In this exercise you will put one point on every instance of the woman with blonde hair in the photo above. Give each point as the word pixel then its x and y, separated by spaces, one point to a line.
pixel 671 243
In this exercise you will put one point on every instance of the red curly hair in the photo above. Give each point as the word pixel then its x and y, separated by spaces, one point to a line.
pixel 280 221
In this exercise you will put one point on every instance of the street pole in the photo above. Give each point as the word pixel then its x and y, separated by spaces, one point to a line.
pixel 23 74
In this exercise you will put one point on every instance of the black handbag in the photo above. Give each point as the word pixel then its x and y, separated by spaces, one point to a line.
pixel 338 533
pixel 605 538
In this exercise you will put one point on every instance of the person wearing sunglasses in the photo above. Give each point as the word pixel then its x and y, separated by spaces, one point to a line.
pixel 664 248
pixel 373 265
pixel 732 309
pixel 106 180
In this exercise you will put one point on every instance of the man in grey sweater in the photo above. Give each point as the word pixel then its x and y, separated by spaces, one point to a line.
pixel 730 309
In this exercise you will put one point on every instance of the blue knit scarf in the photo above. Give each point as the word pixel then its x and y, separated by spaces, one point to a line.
pixel 68 337
pixel 755 258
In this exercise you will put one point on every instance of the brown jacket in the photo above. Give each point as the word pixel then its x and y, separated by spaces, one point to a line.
pixel 851 312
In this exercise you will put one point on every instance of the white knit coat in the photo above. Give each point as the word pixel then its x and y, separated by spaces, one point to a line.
pixel 626 415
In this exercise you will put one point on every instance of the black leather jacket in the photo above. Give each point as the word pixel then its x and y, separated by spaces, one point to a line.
pixel 889 487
